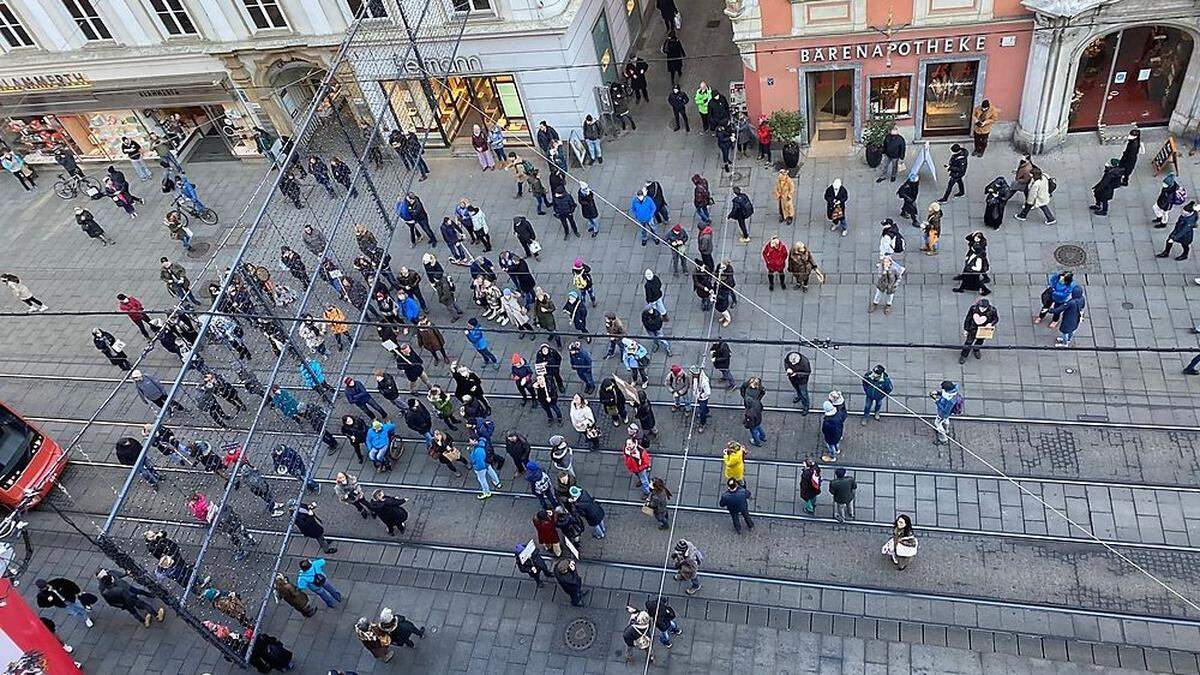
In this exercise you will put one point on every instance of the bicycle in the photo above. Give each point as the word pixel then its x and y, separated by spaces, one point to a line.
pixel 68 187
pixel 185 207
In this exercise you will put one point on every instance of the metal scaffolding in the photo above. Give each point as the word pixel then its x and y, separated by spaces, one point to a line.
pixel 331 201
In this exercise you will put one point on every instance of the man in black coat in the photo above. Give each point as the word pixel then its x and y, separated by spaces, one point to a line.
pixel 678 102
pixel 546 135
pixel 519 450
pixel 122 595
pixel 570 581
pixel 957 168
pixel 535 566
pixel 737 500
pixel 893 153
pixel 390 510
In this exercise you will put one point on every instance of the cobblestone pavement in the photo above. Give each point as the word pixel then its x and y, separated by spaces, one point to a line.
pixel 1003 583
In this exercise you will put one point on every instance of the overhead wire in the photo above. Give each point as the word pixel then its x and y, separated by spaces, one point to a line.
pixel 896 401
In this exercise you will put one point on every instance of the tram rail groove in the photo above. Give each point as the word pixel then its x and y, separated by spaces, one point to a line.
pixel 943 473
pixel 1082 423
pixel 767 515
pixel 875 591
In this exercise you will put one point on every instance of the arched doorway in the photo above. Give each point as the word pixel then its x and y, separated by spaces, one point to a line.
pixel 296 85
pixel 1132 76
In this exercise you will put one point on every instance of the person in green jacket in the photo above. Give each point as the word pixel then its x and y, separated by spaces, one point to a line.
pixel 703 96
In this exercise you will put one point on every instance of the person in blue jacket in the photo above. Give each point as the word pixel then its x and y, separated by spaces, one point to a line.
pixel 876 384
pixel 833 424
pixel 357 395
pixel 479 341
pixel 379 437
pixel 1182 234
pixel 314 377
pixel 643 208
pixel 1068 316
pixel 633 358
pixel 484 471
pixel 1058 290
pixel 413 213
pixel 581 362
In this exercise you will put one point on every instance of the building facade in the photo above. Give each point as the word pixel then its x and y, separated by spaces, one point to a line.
pixel 1050 67
pixel 204 72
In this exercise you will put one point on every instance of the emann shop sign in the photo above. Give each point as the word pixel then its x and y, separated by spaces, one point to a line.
pixel 879 50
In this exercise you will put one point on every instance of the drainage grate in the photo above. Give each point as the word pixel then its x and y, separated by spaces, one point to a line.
pixel 199 249
pixel 1126 305
pixel 715 23
pixel 1070 255
pixel 580 634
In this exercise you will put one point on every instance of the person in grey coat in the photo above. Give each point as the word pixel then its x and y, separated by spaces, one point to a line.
pixel 152 392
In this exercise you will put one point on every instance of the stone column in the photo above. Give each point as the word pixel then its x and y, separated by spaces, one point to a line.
pixel 1049 84
pixel 1186 116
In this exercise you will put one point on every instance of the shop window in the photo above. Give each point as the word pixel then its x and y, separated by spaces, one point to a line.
pixel 890 96
pixel 265 14
pixel 14 34
pixel 472 5
pixel 88 19
pixel 949 97
pixel 375 9
pixel 174 17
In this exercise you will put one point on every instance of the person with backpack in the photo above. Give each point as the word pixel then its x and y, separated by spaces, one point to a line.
pixel 1040 191
pixel 949 402
pixel 1171 194
pixel 810 485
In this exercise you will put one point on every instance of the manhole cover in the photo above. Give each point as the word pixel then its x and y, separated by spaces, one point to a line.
pixel 715 23
pixel 1126 305
pixel 200 249
pixel 1070 255
pixel 580 634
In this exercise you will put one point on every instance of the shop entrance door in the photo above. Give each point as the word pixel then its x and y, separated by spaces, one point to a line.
pixel 831 105
pixel 1130 77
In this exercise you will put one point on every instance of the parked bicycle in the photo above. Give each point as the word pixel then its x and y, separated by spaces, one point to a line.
pixel 68 187
pixel 186 207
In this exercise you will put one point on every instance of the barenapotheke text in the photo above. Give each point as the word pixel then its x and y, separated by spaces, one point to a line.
pixel 878 50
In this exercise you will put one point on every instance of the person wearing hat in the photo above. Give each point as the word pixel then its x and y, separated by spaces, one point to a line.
pixel 979 325
pixel 379 439
pixel 399 628
pixel 636 359
pixel 522 377
pixel 586 506
pixel 561 455
pixel 638 633
pixel 535 565
pixel 677 239
pixel 655 297
pixel 908 192
pixel 567 575
pixel 122 595
pixel 687 560
pixel 679 384
pixel 876 384
pixel 833 424
pixel 949 402
pixel 374 639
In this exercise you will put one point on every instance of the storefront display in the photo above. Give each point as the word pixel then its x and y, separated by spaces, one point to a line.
pixel 458 105
pixel 949 97
pixel 890 96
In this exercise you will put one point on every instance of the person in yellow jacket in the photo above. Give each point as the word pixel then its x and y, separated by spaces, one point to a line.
pixel 735 462
pixel 785 193
pixel 335 321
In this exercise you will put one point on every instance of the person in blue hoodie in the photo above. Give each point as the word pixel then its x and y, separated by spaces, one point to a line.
pixel 635 358
pixel 581 362
pixel 410 309
pixel 314 377
pixel 484 471
pixel 1068 316
pixel 949 402
pixel 479 341
pixel 1058 290
pixel 540 485
pixel 643 208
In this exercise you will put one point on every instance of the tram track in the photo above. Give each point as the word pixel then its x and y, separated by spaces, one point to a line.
pixel 708 573
pixel 365 376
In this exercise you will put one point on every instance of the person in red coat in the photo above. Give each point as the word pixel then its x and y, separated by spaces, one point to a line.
pixel 775 257
pixel 546 524
pixel 764 139
pixel 136 312
pixel 637 461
